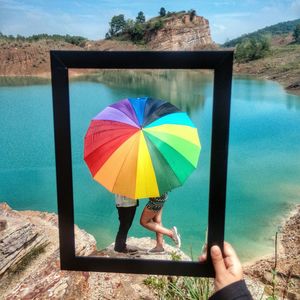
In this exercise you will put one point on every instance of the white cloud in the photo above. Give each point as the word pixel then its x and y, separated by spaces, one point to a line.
pixel 16 18
pixel 229 25
pixel 234 24
pixel 228 18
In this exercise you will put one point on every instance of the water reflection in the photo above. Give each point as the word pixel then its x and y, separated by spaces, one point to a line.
pixel 22 80
pixel 258 90
pixel 292 102
pixel 183 88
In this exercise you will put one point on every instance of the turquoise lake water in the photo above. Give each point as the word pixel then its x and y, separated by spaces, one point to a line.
pixel 263 169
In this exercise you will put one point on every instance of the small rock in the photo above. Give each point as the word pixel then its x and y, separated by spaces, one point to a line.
pixel 294 86
pixel 3 225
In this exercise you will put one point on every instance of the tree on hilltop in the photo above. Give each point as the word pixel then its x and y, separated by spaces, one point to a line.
pixel 162 12
pixel 117 25
pixel 134 30
pixel 140 17
pixel 192 13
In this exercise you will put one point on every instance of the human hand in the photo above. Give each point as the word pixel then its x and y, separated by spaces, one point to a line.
pixel 228 268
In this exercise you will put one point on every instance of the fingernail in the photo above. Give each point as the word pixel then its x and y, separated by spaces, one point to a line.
pixel 215 250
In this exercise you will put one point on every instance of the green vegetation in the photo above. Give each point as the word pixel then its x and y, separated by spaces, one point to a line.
pixel 139 30
pixel 180 288
pixel 162 12
pixel 123 29
pixel 257 44
pixel 277 29
pixel 277 292
pixel 75 40
pixel 296 34
pixel 252 48
pixel 23 80
pixel 117 25
pixel 140 18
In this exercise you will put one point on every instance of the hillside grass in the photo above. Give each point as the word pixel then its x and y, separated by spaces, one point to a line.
pixel 288 55
pixel 278 29
pixel 281 59
pixel 282 63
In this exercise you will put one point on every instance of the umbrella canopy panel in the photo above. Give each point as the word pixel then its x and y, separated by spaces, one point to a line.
pixel 141 147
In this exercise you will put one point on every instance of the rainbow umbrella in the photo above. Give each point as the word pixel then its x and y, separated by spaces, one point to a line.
pixel 141 147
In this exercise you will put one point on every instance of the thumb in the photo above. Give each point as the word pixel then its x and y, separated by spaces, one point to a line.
pixel 217 260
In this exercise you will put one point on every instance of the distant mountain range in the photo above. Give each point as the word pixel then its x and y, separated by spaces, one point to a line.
pixel 282 28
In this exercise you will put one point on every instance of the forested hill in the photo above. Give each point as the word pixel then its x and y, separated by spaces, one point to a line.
pixel 277 29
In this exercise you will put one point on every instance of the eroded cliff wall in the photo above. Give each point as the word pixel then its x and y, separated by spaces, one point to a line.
pixel 182 33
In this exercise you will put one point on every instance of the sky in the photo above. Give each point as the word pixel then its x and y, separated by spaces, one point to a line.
pixel 228 19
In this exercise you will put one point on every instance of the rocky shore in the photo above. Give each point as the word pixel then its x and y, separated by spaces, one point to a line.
pixel 280 272
pixel 29 257
pixel 30 269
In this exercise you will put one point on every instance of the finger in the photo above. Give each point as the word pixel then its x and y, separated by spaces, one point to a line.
pixel 228 249
pixel 203 257
pixel 217 259
pixel 230 255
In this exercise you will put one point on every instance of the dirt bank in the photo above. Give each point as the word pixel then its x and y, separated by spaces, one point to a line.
pixel 283 270
pixel 282 65
pixel 19 58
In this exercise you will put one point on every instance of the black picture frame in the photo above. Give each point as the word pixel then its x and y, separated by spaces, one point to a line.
pixel 221 64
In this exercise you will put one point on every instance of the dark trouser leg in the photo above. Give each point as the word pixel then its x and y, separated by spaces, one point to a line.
pixel 126 215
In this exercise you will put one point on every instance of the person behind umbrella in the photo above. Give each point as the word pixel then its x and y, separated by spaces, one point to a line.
pixel 151 219
pixel 126 211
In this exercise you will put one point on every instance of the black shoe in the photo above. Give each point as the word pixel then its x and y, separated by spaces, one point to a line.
pixel 127 251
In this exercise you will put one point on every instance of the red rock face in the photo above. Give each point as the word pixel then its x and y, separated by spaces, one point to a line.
pixel 182 33
pixel 24 58
pixel 29 258
pixel 40 277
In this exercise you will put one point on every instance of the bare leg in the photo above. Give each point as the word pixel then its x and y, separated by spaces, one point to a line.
pixel 159 237
pixel 147 222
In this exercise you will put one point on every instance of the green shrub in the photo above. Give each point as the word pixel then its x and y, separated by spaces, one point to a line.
pixel 75 40
pixel 296 34
pixel 162 12
pixel 157 25
pixel 180 288
pixel 251 49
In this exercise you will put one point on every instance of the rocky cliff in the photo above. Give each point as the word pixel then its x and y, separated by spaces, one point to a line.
pixel 18 58
pixel 30 267
pixel 179 32
pixel 182 32
pixel 29 257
